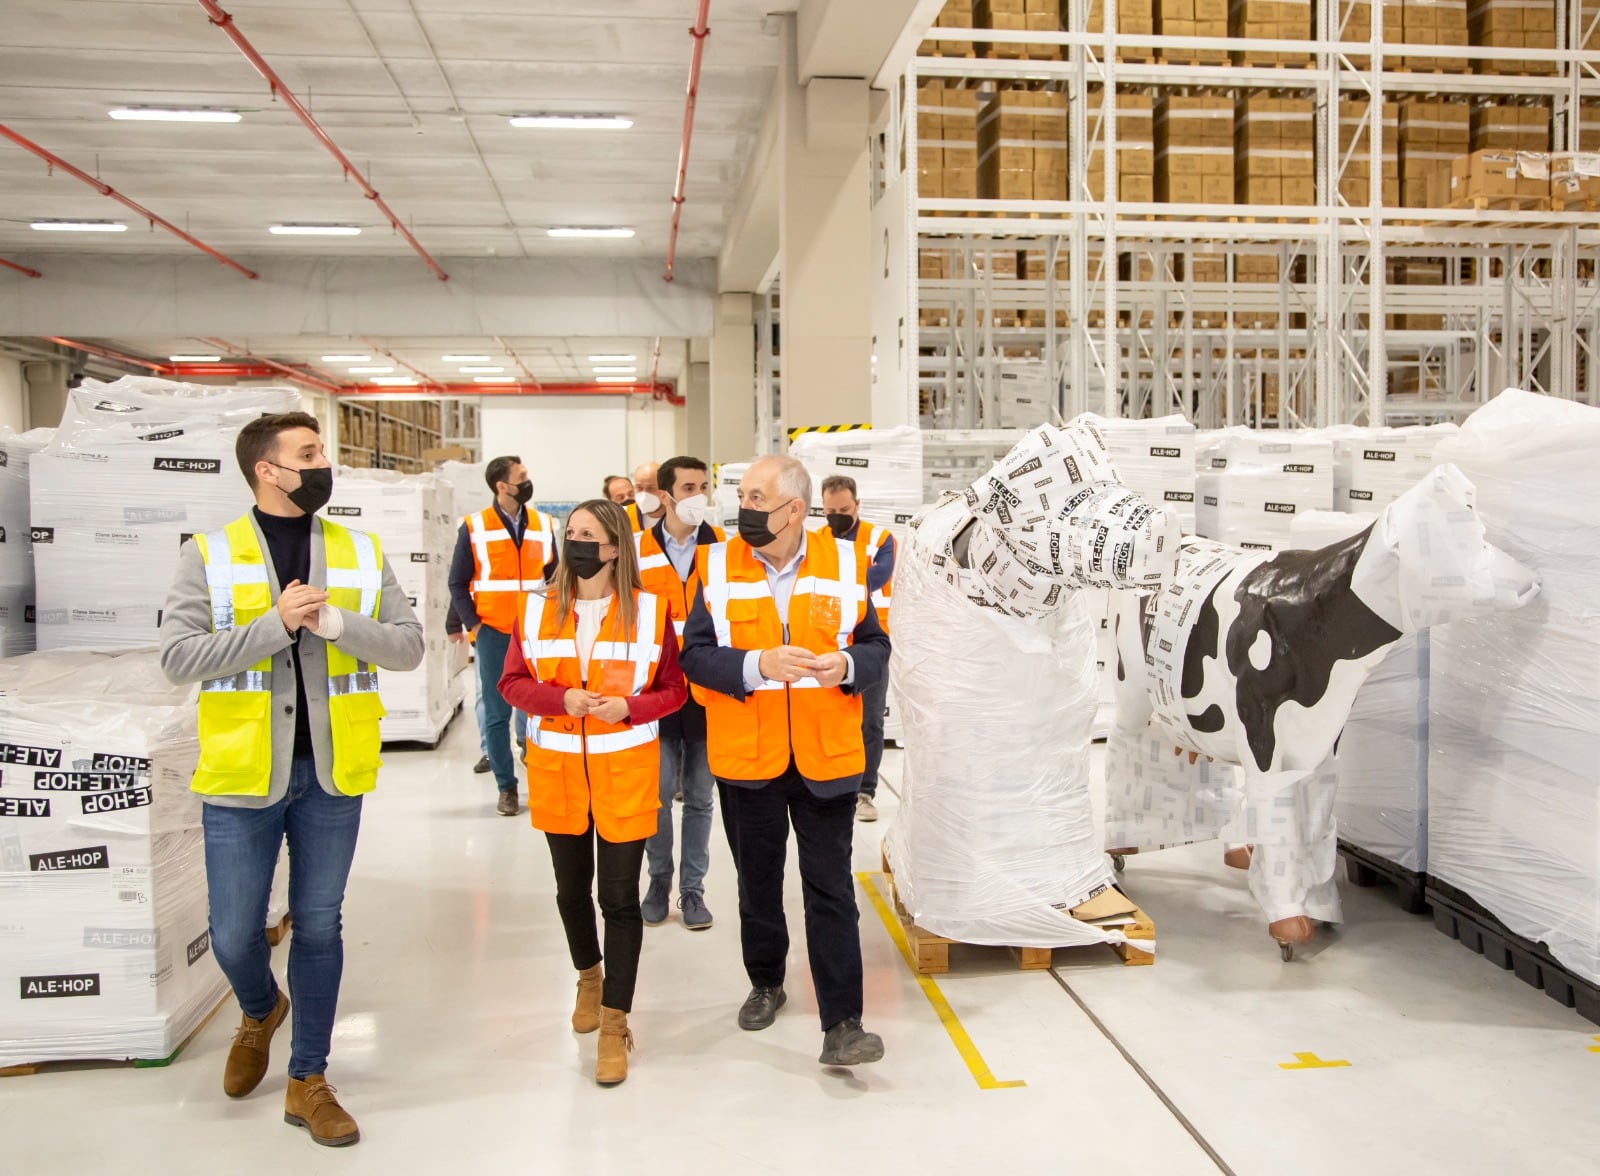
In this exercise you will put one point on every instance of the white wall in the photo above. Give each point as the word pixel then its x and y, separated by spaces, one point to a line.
pixel 891 404
pixel 569 442
pixel 13 395
pixel 656 431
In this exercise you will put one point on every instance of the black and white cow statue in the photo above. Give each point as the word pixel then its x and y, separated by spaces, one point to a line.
pixel 1254 659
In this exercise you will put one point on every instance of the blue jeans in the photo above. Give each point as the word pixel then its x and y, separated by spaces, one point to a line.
pixel 680 755
pixel 874 700
pixel 519 724
pixel 241 854
pixel 496 723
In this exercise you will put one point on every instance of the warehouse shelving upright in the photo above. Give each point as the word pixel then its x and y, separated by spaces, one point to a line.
pixel 1519 303
pixel 770 436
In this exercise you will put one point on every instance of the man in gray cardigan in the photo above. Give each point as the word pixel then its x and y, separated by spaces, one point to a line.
pixel 283 618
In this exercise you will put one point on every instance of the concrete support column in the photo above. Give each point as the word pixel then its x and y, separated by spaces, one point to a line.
pixel 46 382
pixel 696 423
pixel 826 248
pixel 732 398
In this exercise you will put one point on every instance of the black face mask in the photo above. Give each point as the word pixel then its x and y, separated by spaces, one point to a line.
pixel 316 487
pixel 583 557
pixel 753 525
pixel 522 492
pixel 840 524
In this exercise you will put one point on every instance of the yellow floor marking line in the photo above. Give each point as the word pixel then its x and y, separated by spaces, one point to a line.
pixel 1310 1061
pixel 1595 1048
pixel 947 1016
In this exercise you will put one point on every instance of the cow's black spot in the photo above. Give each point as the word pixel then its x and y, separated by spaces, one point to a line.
pixel 1303 602
pixel 1208 721
pixel 1204 641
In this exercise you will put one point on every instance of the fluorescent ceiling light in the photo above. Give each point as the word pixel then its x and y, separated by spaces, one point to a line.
pixel 396 381
pixel 370 371
pixel 467 371
pixel 160 114
pixel 494 379
pixel 612 358
pixel 315 230
pixel 616 379
pixel 573 122
pixel 346 359
pixel 616 371
pixel 72 226
pixel 194 358
pixel 466 359
pixel 575 231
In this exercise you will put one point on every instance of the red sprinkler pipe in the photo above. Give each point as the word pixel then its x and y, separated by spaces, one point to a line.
pixel 523 389
pixel 55 160
pixel 21 269
pixel 700 32
pixel 160 369
pixel 293 373
pixel 225 22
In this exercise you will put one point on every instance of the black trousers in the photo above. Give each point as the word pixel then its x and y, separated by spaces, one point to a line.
pixel 874 700
pixel 578 866
pixel 757 821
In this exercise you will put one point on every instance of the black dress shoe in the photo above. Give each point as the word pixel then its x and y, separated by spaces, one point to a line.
pixel 481 768
pixel 848 1044
pixel 760 1008
pixel 507 805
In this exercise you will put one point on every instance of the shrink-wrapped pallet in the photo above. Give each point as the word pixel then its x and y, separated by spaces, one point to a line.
pixel 1252 483
pixel 18 625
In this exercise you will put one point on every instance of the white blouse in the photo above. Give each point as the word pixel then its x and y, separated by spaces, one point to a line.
pixel 591 615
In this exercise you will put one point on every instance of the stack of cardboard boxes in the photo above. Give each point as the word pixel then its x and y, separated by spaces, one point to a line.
pixel 1135 18
pixel 1136 147
pixel 947 140
pixel 1416 271
pixel 956 14
pixel 1574 181
pixel 1494 179
pixel 1030 16
pixel 1275 141
pixel 1514 24
pixel 1432 134
pixel 1510 128
pixel 1355 25
pixel 1355 147
pixel 1194 149
pixel 1193 18
pixel 1022 146
pixel 1435 22
pixel 1271 20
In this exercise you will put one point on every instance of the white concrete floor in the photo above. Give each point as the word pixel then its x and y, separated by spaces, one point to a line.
pixel 453 1048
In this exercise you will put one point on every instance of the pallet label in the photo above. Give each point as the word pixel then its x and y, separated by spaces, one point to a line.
pixel 1280 508
pixel 120 938
pixel 859 463
pixel 93 857
pixel 1377 455
pixel 42 534
pixel 24 806
pixel 1177 496
pixel 111 802
pixel 1361 495
pixel 82 781
pixel 30 757
pixel 165 435
pixel 1294 468
pixel 103 762
pixel 199 949
pixel 38 987
pixel 345 511
pixel 188 465
pixel 1165 451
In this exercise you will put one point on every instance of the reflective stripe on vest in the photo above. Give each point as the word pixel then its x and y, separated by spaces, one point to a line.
pixel 235 710
pixel 499 564
pixel 660 576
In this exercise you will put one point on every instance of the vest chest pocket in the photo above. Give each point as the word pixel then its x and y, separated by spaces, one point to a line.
pixel 614 678
pixel 825 614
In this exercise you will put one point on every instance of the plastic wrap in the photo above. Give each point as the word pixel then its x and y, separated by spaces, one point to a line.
pixel 725 498
pixel 135 469
pixel 1252 483
pixel 469 493
pixel 413 516
pixel 1382 760
pixel 1514 708
pixel 1373 467
pixel 17 615
pixel 885 463
pixel 102 864
pixel 1155 458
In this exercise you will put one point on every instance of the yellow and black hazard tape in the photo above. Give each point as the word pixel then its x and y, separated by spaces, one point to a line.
pixel 793 433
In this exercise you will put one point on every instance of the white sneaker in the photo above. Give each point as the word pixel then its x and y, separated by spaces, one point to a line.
pixel 865 809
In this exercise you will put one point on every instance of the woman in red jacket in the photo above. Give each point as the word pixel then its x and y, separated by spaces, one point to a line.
pixel 593 665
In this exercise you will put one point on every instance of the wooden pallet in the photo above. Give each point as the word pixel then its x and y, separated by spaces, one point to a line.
pixel 27 1068
pixel 279 931
pixel 932 952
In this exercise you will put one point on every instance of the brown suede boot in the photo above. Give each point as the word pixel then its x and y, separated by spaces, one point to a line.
pixel 311 1104
pixel 247 1060
pixel 586 1014
pixel 616 1039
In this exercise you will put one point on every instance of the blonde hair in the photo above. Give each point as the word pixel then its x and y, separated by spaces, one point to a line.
pixel 625 579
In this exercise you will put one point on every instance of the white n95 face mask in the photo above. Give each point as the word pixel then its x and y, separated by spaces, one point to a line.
pixel 647 502
pixel 694 510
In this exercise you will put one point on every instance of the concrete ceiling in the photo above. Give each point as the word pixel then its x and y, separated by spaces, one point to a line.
pixel 416 92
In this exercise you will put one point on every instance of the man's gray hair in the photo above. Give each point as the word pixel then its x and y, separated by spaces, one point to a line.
pixel 794 480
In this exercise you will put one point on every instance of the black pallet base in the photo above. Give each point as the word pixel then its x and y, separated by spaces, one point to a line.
pixel 1365 868
pixel 1459 917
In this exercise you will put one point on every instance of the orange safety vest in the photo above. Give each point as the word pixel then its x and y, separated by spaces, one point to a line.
pixel 753 739
pixel 870 538
pixel 503 572
pixel 635 519
pixel 581 766
pixel 660 576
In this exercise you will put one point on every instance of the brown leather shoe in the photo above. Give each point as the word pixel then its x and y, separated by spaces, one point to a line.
pixel 616 1039
pixel 507 805
pixel 586 1014
pixel 247 1060
pixel 311 1104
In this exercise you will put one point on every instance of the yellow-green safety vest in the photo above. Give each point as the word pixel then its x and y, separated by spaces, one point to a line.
pixel 236 711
